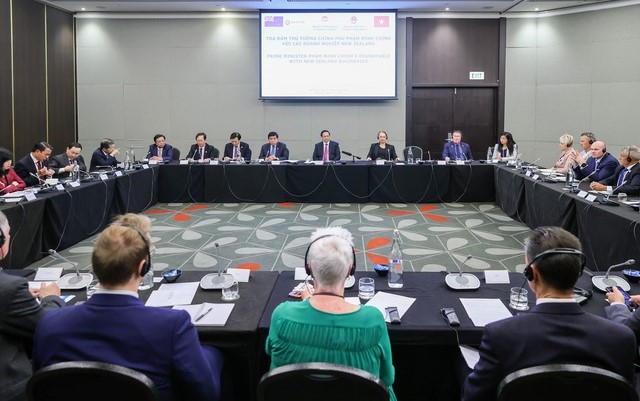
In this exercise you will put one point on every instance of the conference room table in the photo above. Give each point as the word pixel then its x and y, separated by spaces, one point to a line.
pixel 354 182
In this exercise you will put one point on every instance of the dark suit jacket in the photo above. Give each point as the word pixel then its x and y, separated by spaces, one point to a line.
pixel 245 152
pixel 450 151
pixel 161 343
pixel 25 166
pixel 99 158
pixel 282 153
pixel 549 333
pixel 334 151
pixel 209 152
pixel 376 152
pixel 621 314
pixel 606 168
pixel 62 161
pixel 167 152
pixel 632 185
pixel 19 315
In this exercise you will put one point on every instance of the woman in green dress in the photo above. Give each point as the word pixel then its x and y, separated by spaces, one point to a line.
pixel 326 328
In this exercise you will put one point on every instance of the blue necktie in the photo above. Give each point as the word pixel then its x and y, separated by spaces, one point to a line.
pixel 623 174
pixel 458 152
pixel 273 150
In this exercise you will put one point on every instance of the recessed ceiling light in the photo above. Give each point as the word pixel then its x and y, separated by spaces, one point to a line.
pixel 446 9
pixel 83 9
pixel 536 9
pixel 223 9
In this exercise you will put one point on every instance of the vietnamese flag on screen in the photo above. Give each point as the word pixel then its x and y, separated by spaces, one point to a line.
pixel 381 21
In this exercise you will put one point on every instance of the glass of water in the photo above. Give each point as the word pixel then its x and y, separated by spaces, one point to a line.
pixel 92 287
pixel 622 197
pixel 366 288
pixel 231 292
pixel 518 299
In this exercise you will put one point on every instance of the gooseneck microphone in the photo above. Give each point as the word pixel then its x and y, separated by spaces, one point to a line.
pixel 351 155
pixel 602 282
pixel 40 180
pixel 71 280
pixel 218 280
pixel 462 281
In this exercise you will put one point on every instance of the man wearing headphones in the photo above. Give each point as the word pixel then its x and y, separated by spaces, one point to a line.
pixel 586 140
pixel 114 326
pixel 599 166
pixel 626 177
pixel 556 329
pixel 20 312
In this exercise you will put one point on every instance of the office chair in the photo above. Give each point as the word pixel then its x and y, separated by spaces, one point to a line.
pixel 88 380
pixel 316 381
pixel 176 154
pixel 565 382
pixel 416 150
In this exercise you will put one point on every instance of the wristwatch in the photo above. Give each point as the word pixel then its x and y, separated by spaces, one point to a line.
pixel 583 165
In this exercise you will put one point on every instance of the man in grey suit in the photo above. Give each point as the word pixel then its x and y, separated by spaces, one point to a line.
pixel 19 315
pixel 64 163
pixel 556 329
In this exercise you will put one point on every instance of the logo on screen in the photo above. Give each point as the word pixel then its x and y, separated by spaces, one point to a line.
pixel 354 20
pixel 381 21
pixel 324 18
pixel 273 21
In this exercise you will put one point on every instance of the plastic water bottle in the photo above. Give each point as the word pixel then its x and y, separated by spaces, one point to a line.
pixel 395 263
pixel 133 156
pixel 449 136
pixel 410 156
pixel 127 160
pixel 569 178
pixel 489 155
pixel 75 173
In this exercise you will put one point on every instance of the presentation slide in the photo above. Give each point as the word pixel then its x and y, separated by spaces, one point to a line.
pixel 328 54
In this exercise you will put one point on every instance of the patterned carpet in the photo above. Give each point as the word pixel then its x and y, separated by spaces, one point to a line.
pixel 435 237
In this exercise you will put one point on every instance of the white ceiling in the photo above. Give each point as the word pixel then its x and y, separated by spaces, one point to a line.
pixel 504 7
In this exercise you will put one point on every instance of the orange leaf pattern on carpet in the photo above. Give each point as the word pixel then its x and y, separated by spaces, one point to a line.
pixel 377 242
pixel 249 266
pixel 195 207
pixel 181 217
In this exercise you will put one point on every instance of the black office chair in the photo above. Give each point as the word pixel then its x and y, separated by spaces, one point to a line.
pixel 318 381
pixel 88 380
pixel 565 382
pixel 176 154
pixel 416 150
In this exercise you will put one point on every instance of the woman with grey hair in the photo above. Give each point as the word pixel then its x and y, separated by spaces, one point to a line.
pixel 326 328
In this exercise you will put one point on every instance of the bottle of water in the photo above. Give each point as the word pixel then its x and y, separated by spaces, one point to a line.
pixel 449 136
pixel 133 156
pixel 395 263
pixel 75 173
pixel 127 160
pixel 410 156
pixel 569 178
pixel 489 154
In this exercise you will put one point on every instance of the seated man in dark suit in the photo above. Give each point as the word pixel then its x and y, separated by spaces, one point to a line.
pixel 456 149
pixel 236 150
pixel 274 150
pixel 600 165
pixel 626 177
pixel 556 330
pixel 201 150
pixel 65 162
pixel 105 155
pixel 160 150
pixel 114 326
pixel 20 312
pixel 326 150
pixel 34 167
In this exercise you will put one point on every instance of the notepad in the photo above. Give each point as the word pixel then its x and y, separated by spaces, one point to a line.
pixel 48 274
pixel 383 299
pixel 484 311
pixel 173 294
pixel 207 314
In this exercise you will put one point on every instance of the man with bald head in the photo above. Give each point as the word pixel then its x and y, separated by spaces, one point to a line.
pixel 599 166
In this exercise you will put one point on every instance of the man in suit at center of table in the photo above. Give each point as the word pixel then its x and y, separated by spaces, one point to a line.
pixel 105 155
pixel 456 149
pixel 63 163
pixel 235 149
pixel 556 330
pixel 201 150
pixel 114 326
pixel 326 150
pixel 34 167
pixel 274 150
pixel 160 150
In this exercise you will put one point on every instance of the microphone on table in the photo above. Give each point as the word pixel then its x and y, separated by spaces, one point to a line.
pixel 76 280
pixel 429 154
pixel 462 281
pixel 40 180
pixel 219 280
pixel 351 155
pixel 602 282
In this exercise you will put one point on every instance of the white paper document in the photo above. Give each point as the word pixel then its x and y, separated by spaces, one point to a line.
pixel 173 294
pixel 38 284
pixel 207 314
pixel 384 299
pixel 471 355
pixel 352 300
pixel 241 275
pixel 485 311
pixel 48 274
pixel 496 276
pixel 300 274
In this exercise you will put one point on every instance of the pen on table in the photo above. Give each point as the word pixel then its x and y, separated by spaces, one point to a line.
pixel 203 315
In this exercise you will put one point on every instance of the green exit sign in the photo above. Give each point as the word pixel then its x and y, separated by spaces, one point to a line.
pixel 476 75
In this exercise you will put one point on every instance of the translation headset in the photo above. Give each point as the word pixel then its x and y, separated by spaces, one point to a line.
pixel 3 239
pixel 528 271
pixel 629 154
pixel 307 269
pixel 147 263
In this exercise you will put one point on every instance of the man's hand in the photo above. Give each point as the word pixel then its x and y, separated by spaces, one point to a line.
pixel 615 296
pixel 46 290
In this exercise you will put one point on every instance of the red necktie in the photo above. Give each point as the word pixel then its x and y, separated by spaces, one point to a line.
pixel 325 154
pixel 201 153
pixel 39 165
pixel 235 152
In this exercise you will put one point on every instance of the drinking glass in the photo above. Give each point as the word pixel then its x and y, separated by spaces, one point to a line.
pixel 622 197
pixel 366 288
pixel 92 287
pixel 518 299
pixel 230 293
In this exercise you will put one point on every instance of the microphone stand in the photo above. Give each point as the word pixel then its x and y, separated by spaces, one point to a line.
pixel 71 281
pixel 214 281
pixel 602 282
pixel 462 281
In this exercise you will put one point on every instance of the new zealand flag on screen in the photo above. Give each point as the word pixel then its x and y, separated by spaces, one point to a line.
pixel 270 20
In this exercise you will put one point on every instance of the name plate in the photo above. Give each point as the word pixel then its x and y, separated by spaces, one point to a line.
pixel 318 162
pixel 591 198
pixel 460 162
pixel 103 177
pixel 185 161
pixel 214 162
pixel 74 184
pixel 60 187
pixel 153 162
pixel 535 176
pixel 29 196
pixel 379 162
pixel 145 166
pixel 442 163
pixel 275 162
pixel 528 173
pixel 583 194
pixel 118 173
